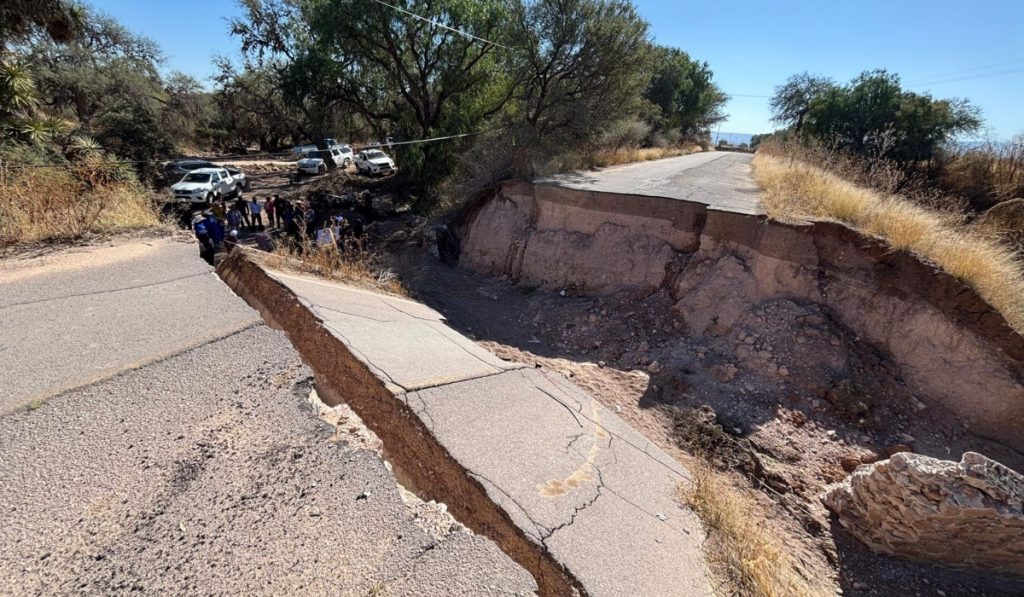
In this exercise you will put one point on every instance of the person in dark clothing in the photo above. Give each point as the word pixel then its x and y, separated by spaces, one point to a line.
pixel 268 206
pixel 287 213
pixel 243 208
pixel 231 241
pixel 206 249
pixel 234 218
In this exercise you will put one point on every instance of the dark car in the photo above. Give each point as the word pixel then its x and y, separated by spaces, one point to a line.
pixel 179 168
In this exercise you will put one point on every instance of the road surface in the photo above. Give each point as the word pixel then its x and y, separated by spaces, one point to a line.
pixel 721 180
pixel 184 458
pixel 574 479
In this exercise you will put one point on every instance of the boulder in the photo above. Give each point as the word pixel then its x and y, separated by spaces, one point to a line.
pixel 968 514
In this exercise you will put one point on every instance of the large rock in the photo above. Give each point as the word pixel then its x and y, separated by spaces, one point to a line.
pixel 967 514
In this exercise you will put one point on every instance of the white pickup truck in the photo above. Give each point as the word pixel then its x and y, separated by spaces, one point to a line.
pixel 322 160
pixel 373 162
pixel 206 185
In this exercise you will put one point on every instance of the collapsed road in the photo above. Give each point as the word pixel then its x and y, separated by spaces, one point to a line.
pixel 156 436
pixel 170 445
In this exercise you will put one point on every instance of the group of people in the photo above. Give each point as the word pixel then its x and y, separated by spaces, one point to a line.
pixel 219 226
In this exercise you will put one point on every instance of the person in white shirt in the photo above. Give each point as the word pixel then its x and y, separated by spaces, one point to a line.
pixel 255 213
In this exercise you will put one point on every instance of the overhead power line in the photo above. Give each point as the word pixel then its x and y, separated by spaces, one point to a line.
pixel 1002 73
pixel 441 25
pixel 964 71
pixel 242 157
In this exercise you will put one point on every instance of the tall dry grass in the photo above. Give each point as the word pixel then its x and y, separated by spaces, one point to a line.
pixel 354 265
pixel 628 155
pixel 798 192
pixel 44 204
pixel 754 559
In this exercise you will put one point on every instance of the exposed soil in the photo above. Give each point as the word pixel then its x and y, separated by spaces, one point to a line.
pixel 787 402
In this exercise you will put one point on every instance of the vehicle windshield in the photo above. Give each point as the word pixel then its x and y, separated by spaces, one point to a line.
pixel 196 177
pixel 323 155
pixel 375 154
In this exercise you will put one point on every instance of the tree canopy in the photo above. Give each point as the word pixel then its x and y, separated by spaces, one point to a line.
pixel 873 116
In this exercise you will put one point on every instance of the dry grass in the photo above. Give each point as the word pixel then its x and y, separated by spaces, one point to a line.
pixel 45 204
pixel 797 192
pixel 354 266
pixel 628 155
pixel 752 557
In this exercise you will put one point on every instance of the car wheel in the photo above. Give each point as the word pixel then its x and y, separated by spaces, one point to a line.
pixel 322 169
pixel 347 163
pixel 208 198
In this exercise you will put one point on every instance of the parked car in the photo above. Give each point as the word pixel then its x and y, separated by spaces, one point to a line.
pixel 178 168
pixel 374 161
pixel 205 185
pixel 322 160
pixel 240 178
pixel 327 143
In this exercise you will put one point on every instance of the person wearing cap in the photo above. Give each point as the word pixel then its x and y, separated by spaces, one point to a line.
pixel 206 249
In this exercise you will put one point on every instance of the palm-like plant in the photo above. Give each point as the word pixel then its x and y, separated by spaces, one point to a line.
pixel 18 92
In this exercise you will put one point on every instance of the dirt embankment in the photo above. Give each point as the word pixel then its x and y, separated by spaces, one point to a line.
pixel 950 349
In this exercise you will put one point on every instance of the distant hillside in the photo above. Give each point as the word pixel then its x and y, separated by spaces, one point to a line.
pixel 731 138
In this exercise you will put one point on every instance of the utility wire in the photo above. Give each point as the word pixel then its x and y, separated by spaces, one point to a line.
pixel 441 25
pixel 963 71
pixel 970 77
pixel 243 157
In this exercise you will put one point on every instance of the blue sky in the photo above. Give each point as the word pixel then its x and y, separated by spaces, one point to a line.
pixel 971 49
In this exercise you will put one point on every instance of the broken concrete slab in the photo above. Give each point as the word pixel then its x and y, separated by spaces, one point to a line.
pixel 562 485
pixel 399 333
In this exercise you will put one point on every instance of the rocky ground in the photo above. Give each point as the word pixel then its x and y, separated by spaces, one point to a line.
pixel 788 401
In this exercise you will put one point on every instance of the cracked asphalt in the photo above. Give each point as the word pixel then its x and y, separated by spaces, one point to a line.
pixel 191 464
pixel 575 479
pixel 720 180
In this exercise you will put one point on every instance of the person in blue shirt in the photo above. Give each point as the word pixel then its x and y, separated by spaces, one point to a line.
pixel 214 228
pixel 206 249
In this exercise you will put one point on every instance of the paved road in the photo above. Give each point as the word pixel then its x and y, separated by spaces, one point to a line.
pixel 719 179
pixel 204 471
pixel 75 316
pixel 582 485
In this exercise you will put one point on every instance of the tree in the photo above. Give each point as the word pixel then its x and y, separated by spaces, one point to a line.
pixel 581 65
pixel 405 77
pixel 57 19
pixel 251 108
pixel 792 99
pixel 873 116
pixel 682 88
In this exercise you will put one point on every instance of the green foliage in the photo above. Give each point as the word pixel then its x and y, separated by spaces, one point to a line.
pixel 792 99
pixel 873 116
pixel 682 88
pixel 581 65
pixel 57 19
pixel 251 109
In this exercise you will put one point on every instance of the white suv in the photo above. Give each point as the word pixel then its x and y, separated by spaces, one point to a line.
pixel 322 160
pixel 205 185
pixel 374 161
